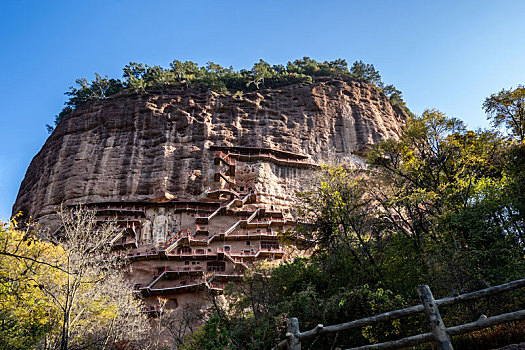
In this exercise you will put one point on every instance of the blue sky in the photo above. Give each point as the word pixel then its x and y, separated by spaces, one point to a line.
pixel 448 55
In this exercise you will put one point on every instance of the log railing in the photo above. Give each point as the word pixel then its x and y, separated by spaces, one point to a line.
pixel 439 333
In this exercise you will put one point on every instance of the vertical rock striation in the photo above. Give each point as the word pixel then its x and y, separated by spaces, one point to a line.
pixel 155 147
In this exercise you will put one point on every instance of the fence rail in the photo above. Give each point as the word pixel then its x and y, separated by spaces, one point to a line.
pixel 439 333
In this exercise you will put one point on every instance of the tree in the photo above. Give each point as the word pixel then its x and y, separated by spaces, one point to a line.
pixel 217 69
pixel 175 324
pixel 134 76
pixel 339 66
pixel 177 67
pixel 96 305
pixel 157 76
pixel 507 108
pixel 339 217
pixel 259 72
pixel 76 281
pixel 442 189
pixel 415 174
pixel 395 95
pixel 98 89
pixel 366 72
pixel 305 65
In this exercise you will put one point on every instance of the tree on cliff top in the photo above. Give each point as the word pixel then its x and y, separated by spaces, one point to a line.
pixel 138 77
pixel 366 72
pixel 260 71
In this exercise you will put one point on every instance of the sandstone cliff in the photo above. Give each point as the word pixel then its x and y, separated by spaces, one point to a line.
pixel 155 146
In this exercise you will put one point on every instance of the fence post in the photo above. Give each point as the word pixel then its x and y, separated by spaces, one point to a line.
pixel 293 334
pixel 436 323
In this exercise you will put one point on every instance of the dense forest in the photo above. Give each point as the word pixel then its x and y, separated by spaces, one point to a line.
pixel 138 77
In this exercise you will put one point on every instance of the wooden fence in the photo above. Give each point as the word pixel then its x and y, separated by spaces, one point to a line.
pixel 439 333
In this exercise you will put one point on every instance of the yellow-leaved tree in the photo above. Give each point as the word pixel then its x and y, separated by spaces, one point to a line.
pixel 26 265
pixel 66 290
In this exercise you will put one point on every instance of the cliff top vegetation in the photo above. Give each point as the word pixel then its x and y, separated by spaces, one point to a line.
pixel 138 77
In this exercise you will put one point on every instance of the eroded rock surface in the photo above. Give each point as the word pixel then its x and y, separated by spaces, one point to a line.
pixel 156 147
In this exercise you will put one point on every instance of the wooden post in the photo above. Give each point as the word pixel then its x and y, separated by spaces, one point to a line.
pixel 436 323
pixel 293 334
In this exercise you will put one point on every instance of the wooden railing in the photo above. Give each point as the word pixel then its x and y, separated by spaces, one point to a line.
pixel 146 253
pixel 268 156
pixel 439 333
pixel 105 218
pixel 115 207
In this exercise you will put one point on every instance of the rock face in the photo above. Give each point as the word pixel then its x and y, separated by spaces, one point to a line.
pixel 200 184
pixel 157 147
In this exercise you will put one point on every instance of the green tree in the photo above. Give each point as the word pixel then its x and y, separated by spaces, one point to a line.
pixel 217 69
pixel 157 76
pixel 259 72
pixel 340 220
pixel 395 95
pixel 134 76
pixel 191 70
pixel 507 108
pixel 441 188
pixel 339 65
pixel 177 67
pixel 98 89
pixel 366 72
pixel 305 65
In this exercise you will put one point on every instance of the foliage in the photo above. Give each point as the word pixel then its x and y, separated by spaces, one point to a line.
pixel 98 89
pixel 26 314
pixel 138 77
pixel 442 189
pixel 338 219
pixel 366 72
pixel 255 311
pixel 210 337
pixel 507 108
pixel 441 205
pixel 65 293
